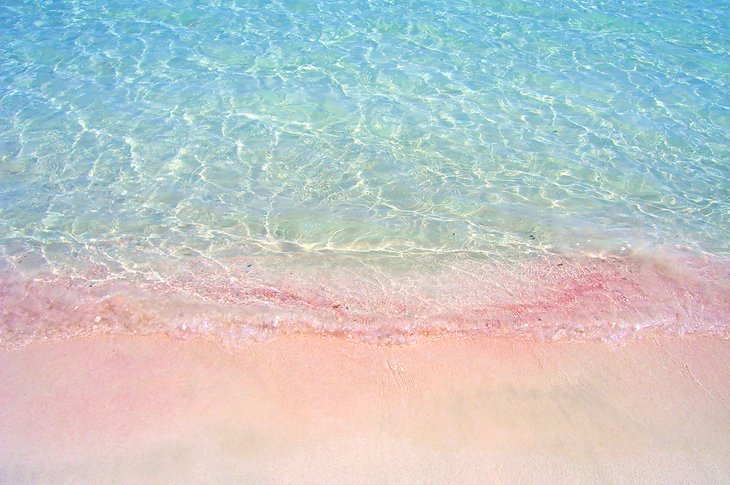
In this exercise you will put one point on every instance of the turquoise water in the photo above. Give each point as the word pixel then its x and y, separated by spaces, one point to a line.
pixel 135 136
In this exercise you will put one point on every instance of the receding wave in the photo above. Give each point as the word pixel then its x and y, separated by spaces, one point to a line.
pixel 548 298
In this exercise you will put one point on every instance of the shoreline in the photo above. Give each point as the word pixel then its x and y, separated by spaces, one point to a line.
pixel 544 299
pixel 312 409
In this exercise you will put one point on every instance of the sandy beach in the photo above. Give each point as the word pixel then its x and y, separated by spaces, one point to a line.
pixel 432 242
pixel 309 409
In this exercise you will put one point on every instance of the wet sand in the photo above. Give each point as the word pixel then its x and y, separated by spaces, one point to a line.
pixel 309 409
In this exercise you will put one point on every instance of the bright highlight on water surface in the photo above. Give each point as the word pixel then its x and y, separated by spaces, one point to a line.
pixel 344 167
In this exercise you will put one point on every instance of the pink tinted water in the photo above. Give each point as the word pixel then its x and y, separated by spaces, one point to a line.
pixel 549 298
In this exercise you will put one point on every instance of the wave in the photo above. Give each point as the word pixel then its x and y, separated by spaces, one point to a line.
pixel 395 300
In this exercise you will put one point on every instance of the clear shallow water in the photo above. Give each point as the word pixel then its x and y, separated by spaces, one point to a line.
pixel 137 141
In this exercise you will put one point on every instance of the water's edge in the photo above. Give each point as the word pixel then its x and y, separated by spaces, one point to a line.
pixel 551 298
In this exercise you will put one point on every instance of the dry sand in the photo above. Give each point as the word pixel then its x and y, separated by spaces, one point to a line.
pixel 308 409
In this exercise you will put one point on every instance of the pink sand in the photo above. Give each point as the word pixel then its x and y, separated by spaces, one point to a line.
pixel 308 409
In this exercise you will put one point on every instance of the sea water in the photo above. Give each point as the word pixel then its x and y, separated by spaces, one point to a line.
pixel 373 169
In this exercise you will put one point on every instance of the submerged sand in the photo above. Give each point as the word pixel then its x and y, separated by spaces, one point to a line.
pixel 310 409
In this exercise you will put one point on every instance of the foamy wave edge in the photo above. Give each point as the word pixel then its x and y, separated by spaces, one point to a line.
pixel 553 298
